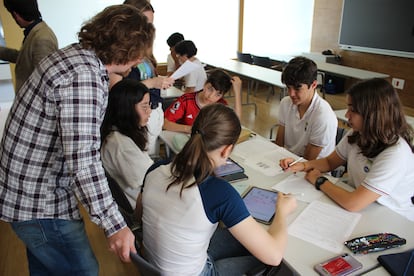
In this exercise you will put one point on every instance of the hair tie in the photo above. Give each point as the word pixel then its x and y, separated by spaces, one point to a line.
pixel 197 131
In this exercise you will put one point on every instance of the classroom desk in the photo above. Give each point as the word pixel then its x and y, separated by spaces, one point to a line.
pixel 262 74
pixel 340 114
pixel 337 70
pixel 302 255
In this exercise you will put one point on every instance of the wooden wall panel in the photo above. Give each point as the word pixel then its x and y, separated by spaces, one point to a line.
pixel 325 33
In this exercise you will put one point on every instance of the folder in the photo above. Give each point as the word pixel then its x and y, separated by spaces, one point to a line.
pixel 398 264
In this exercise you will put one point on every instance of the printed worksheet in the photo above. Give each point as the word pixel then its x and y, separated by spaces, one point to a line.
pixel 265 160
pixel 185 68
pixel 325 225
pixel 297 185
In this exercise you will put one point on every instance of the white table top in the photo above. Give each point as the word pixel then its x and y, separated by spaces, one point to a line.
pixel 340 70
pixel 259 73
pixel 350 72
pixel 302 255
pixel 340 114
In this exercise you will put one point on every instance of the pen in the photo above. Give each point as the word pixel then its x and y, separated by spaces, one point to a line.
pixel 295 194
pixel 294 162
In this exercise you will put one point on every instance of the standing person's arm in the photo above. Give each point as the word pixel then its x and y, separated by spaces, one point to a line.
pixel 80 110
pixel 8 54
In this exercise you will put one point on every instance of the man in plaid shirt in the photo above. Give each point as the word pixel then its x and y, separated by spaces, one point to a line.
pixel 49 154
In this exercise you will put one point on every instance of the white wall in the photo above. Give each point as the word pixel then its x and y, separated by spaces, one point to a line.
pixel 66 17
pixel 277 27
pixel 271 27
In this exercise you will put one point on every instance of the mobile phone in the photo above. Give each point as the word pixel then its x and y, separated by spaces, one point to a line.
pixel 341 265
pixel 261 204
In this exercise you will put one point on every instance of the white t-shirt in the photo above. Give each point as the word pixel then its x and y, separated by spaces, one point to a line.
pixel 196 78
pixel 178 229
pixel 154 125
pixel 126 163
pixel 318 126
pixel 390 174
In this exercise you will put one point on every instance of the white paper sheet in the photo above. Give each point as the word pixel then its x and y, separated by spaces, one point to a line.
pixel 298 185
pixel 265 160
pixel 241 186
pixel 325 225
pixel 185 68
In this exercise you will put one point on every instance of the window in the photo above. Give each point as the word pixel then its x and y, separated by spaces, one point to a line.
pixel 277 27
pixel 212 26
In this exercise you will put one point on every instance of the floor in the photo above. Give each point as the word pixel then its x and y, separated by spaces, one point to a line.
pixel 12 252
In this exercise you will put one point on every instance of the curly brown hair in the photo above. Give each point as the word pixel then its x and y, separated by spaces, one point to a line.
pixel 119 34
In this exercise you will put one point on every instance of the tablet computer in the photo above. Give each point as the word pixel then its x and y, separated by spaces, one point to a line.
pixel 231 167
pixel 261 204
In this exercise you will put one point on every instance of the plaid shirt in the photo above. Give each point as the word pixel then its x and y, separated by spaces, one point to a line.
pixel 49 154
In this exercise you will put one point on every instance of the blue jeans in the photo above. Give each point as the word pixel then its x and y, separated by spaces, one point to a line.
pixel 227 256
pixel 57 247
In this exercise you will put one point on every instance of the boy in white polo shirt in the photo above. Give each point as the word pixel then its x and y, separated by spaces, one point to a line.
pixel 307 123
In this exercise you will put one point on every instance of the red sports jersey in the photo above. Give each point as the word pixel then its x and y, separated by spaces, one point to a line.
pixel 185 109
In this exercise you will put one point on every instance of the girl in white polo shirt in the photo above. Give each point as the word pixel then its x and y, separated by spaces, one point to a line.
pixel 378 152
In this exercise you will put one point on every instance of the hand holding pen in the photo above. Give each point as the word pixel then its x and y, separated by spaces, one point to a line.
pixel 289 164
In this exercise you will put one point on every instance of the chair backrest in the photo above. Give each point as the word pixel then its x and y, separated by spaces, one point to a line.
pixel 144 267
pixel 245 57
pixel 340 132
pixel 262 61
pixel 339 172
pixel 120 198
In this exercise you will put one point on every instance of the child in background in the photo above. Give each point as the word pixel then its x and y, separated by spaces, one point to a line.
pixel 172 60
pixel 194 81
pixel 180 115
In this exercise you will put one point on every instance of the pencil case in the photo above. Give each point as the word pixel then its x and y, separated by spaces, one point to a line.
pixel 374 243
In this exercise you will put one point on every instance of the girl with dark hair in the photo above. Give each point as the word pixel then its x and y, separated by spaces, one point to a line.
pixel 183 202
pixel 124 136
pixel 379 150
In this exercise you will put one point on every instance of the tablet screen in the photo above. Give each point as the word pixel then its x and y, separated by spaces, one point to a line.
pixel 261 203
pixel 230 167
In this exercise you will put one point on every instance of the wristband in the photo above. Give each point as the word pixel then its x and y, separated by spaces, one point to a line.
pixel 319 181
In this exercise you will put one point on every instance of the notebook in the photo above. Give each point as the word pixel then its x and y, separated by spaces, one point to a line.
pixel 398 264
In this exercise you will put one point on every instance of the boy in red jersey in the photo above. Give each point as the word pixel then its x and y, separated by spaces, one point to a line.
pixel 180 115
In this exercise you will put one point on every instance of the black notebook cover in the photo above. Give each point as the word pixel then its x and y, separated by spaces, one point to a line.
pixel 398 264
